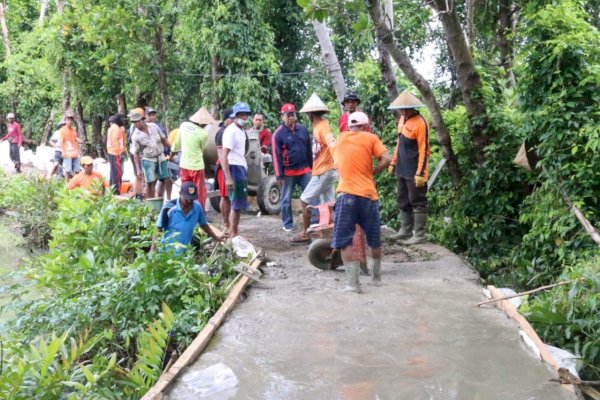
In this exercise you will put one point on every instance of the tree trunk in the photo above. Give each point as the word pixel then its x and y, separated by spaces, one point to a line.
pixel 121 105
pixel 162 73
pixel 60 6
pixel 331 61
pixel 97 147
pixel 81 131
pixel 386 37
pixel 4 31
pixel 47 128
pixel 214 74
pixel 44 5
pixel 470 21
pixel 505 28
pixel 66 102
pixel 385 62
pixel 468 78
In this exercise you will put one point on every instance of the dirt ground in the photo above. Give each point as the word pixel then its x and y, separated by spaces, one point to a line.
pixel 418 336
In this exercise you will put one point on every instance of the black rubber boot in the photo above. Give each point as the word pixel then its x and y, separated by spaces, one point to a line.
pixel 406 226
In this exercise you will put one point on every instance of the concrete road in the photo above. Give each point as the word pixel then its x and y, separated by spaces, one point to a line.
pixel 417 337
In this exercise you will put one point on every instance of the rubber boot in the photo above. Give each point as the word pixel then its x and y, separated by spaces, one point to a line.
pixel 376 279
pixel 419 236
pixel 406 226
pixel 352 275
pixel 364 269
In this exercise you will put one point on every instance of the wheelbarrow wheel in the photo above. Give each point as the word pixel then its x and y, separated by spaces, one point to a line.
pixel 322 256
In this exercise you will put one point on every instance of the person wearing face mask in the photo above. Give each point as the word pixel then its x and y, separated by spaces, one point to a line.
pixel 191 141
pixel 234 163
pixel 292 160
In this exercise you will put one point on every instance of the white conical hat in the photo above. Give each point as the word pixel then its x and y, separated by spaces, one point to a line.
pixel 314 104
pixel 405 100
pixel 202 117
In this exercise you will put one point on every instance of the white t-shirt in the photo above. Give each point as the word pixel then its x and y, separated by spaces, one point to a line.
pixel 55 141
pixel 234 139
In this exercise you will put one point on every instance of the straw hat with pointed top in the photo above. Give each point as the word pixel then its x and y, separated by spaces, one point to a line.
pixel 314 104
pixel 202 117
pixel 405 100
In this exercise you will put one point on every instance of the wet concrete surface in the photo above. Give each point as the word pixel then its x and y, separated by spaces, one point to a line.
pixel 417 337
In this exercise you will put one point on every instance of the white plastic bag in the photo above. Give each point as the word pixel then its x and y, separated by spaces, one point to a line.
pixel 242 247
pixel 212 380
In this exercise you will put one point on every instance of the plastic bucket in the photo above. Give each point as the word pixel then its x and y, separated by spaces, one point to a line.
pixel 156 203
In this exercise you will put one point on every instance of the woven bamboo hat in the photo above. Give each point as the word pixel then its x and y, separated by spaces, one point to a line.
pixel 202 117
pixel 314 104
pixel 405 100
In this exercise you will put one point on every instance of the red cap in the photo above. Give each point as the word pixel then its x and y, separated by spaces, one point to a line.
pixel 288 107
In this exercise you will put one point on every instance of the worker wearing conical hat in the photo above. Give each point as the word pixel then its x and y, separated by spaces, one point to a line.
pixel 410 163
pixel 191 141
pixel 321 186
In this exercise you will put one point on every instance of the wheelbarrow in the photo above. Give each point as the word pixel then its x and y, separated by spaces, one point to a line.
pixel 320 252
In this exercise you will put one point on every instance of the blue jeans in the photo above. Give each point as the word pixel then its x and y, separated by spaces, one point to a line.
pixel 289 182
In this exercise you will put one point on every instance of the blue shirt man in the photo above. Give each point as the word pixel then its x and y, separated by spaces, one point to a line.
pixel 179 217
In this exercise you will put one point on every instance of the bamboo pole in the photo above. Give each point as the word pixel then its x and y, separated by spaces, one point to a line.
pixel 541 288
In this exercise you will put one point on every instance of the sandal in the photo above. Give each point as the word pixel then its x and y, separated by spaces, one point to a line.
pixel 300 239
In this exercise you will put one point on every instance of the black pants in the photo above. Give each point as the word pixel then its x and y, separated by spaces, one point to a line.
pixel 410 197
pixel 15 156
pixel 115 173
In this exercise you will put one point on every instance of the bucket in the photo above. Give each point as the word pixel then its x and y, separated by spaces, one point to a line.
pixel 155 202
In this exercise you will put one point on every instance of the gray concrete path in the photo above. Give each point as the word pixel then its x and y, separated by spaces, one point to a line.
pixel 417 337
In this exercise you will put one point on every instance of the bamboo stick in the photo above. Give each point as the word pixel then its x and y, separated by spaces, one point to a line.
pixel 541 288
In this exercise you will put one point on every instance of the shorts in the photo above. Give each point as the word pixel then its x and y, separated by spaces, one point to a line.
pixel 221 183
pixel 154 171
pixel 71 165
pixel 321 188
pixel 351 210
pixel 58 156
pixel 239 194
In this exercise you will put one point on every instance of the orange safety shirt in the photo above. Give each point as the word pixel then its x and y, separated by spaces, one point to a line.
pixel 69 143
pixel 323 145
pixel 353 155
pixel 115 140
pixel 86 181
pixel 412 152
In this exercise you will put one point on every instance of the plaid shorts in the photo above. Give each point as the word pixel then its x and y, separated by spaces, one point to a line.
pixel 351 210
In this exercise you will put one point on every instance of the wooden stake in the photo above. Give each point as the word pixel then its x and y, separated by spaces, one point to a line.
pixel 542 288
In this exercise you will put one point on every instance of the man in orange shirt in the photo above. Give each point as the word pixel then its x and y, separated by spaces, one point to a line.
pixel 357 201
pixel 324 176
pixel 411 167
pixel 88 178
pixel 115 147
pixel 70 146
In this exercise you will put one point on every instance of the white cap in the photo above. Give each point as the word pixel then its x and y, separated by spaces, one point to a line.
pixel 358 118
pixel 10 115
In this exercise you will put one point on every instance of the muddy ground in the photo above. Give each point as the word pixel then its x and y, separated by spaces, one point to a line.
pixel 417 337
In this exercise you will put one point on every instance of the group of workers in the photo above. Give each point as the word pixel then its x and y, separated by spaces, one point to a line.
pixel 338 171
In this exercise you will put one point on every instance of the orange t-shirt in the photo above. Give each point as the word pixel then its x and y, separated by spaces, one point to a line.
pixel 323 145
pixel 353 155
pixel 69 144
pixel 115 140
pixel 86 181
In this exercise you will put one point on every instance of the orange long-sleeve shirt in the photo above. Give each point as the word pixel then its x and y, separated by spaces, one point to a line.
pixel 412 152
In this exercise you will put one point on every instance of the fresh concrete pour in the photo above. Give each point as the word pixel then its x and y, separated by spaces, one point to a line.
pixel 417 337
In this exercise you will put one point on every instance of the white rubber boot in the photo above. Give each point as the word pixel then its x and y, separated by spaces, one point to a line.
pixel 376 279
pixel 352 275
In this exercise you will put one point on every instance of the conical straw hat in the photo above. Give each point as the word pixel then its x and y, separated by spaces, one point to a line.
pixel 405 100
pixel 202 117
pixel 314 104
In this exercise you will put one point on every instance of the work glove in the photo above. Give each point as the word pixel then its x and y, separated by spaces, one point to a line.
pixel 420 181
pixel 391 169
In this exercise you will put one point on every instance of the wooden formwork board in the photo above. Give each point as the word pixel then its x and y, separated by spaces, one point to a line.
pixel 201 341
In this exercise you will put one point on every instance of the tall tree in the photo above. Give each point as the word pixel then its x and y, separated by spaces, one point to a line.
pixel 331 61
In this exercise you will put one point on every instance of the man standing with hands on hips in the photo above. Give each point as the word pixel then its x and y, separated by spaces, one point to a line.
pixel 410 164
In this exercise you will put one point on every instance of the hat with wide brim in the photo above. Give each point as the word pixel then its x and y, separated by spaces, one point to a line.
pixel 405 100
pixel 86 160
pixel 314 104
pixel 202 117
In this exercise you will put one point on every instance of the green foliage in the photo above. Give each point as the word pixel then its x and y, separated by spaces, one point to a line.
pixel 99 277
pixel 567 316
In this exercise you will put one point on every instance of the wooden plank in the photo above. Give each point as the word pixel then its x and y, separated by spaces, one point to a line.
pixel 513 313
pixel 201 341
